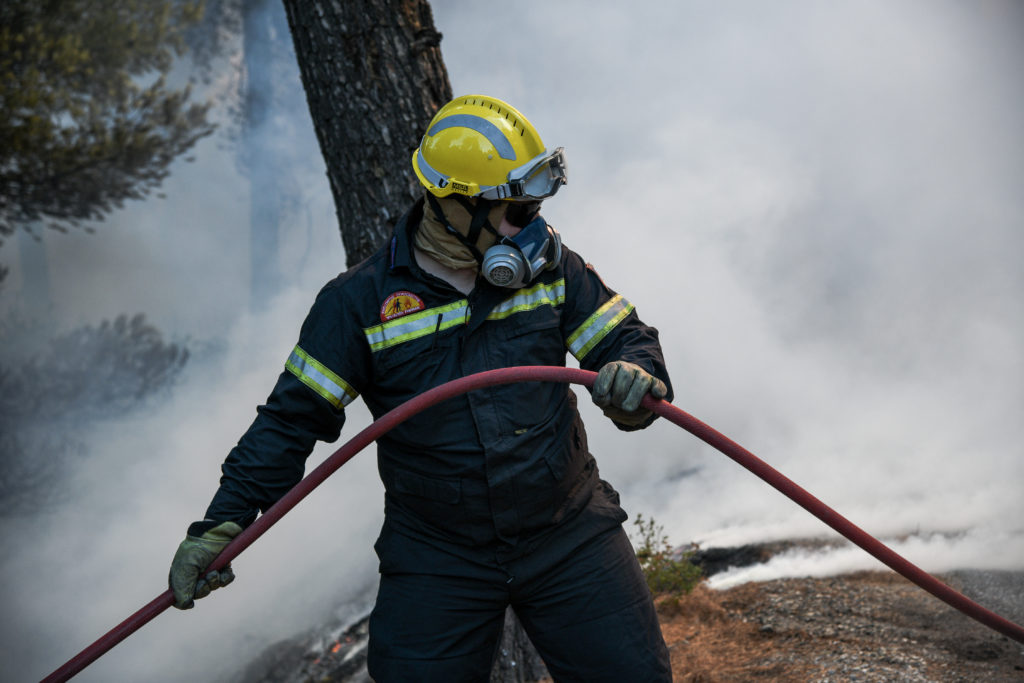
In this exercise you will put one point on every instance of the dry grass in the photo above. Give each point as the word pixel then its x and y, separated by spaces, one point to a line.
pixel 869 626
pixel 708 644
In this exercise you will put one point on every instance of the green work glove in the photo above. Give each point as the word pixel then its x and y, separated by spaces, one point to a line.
pixel 193 557
pixel 619 388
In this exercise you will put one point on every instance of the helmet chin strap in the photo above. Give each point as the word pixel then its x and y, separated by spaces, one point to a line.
pixel 479 221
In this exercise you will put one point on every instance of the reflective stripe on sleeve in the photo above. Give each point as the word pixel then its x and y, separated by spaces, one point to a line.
pixel 528 299
pixel 416 325
pixel 597 326
pixel 320 379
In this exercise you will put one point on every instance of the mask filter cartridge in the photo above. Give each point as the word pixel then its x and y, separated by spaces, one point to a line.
pixel 515 261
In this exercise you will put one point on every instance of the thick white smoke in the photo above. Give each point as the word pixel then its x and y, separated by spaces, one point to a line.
pixel 817 205
pixel 83 568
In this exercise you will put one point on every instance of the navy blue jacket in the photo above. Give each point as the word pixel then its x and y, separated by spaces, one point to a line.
pixel 499 465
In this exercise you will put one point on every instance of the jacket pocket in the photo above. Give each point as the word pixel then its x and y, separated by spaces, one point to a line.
pixel 426 350
pixel 534 338
pixel 535 321
pixel 429 488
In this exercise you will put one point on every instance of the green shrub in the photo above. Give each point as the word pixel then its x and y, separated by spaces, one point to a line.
pixel 666 570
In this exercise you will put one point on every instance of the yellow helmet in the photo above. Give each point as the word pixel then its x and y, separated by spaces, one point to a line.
pixel 479 146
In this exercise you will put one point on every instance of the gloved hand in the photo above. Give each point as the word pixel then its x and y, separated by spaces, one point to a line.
pixel 194 555
pixel 619 388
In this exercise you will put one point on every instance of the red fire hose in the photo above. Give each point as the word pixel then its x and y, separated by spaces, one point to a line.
pixel 546 374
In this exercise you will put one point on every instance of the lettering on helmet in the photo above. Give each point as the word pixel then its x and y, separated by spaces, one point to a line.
pixel 399 304
pixel 460 187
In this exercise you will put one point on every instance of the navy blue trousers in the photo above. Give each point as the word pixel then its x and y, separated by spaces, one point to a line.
pixel 587 610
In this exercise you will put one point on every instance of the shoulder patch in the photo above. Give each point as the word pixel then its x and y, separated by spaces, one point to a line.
pixel 398 304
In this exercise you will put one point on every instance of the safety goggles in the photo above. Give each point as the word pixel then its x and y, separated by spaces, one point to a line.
pixel 538 178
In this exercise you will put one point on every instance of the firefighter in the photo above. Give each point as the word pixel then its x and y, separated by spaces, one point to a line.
pixel 491 498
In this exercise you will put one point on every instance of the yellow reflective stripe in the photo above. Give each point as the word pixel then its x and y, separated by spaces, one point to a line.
pixel 416 325
pixel 528 299
pixel 320 379
pixel 597 326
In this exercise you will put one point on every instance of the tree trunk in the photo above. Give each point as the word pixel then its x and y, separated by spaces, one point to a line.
pixel 517 660
pixel 374 77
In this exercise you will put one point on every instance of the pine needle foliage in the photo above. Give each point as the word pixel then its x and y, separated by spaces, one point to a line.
pixel 87 118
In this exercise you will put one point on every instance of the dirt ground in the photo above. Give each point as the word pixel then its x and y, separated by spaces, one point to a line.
pixel 864 627
pixel 869 627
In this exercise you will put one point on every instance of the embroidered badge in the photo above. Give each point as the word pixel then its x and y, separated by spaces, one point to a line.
pixel 399 304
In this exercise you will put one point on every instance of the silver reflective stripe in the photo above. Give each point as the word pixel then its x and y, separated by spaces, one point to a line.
pixel 416 325
pixel 320 379
pixel 431 173
pixel 480 125
pixel 441 180
pixel 597 326
pixel 528 299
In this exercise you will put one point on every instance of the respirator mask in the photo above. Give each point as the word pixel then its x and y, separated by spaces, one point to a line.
pixel 504 261
pixel 516 261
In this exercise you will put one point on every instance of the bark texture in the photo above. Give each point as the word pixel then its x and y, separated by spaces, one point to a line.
pixel 374 77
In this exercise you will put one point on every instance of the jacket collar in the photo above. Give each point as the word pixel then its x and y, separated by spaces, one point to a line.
pixel 400 250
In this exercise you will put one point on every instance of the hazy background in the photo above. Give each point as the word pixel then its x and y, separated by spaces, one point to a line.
pixel 818 205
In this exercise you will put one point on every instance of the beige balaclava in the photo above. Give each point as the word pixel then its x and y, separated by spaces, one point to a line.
pixel 433 237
